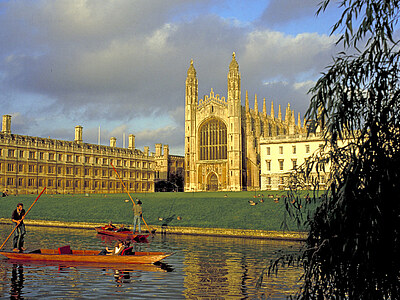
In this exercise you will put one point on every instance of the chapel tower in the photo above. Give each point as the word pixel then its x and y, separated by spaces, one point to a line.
pixel 191 96
pixel 222 138
pixel 234 127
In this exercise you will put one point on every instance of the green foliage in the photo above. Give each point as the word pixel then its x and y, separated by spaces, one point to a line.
pixel 353 247
pixel 208 210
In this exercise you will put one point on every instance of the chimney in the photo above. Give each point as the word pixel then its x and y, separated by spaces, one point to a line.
pixel 113 142
pixel 78 134
pixel 158 149
pixel 146 150
pixel 166 151
pixel 6 124
pixel 131 142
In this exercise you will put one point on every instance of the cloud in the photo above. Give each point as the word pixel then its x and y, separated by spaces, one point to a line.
pixel 305 85
pixel 273 63
pixel 123 64
pixel 172 136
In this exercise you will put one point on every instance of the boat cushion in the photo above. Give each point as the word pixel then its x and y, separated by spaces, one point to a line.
pixel 128 251
pixel 35 251
pixel 65 250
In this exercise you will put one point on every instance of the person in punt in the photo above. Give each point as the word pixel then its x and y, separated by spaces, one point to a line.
pixel 137 215
pixel 117 250
pixel 109 226
pixel 19 233
pixel 122 228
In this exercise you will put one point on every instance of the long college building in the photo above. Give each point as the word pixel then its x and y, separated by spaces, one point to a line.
pixel 28 164
pixel 222 138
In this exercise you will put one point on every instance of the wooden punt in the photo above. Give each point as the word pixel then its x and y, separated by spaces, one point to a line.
pixel 124 235
pixel 87 256
pixel 156 267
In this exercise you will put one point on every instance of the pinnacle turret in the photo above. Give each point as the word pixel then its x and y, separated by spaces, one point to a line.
pixel 272 110
pixel 247 102
pixel 191 71
pixel 234 66
pixel 279 113
pixel 255 105
pixel 264 109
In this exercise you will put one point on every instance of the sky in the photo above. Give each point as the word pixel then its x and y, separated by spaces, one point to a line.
pixel 119 67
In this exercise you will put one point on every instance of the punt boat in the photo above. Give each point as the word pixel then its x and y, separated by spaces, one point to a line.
pixel 124 235
pixel 66 255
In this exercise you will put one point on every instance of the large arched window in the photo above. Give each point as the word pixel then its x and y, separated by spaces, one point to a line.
pixel 212 135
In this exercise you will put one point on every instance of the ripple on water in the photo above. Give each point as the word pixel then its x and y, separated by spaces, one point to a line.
pixel 202 267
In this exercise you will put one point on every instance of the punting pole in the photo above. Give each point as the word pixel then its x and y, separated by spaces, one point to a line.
pixel 126 190
pixel 23 217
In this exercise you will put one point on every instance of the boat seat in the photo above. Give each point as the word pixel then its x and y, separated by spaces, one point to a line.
pixel 65 250
pixel 36 251
pixel 128 251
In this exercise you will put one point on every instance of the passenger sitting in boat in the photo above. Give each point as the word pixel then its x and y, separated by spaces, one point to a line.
pixel 122 228
pixel 110 226
pixel 119 247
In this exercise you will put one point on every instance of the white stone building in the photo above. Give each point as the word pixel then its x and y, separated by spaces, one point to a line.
pixel 280 155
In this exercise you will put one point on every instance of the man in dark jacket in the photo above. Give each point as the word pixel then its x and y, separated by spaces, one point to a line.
pixel 19 233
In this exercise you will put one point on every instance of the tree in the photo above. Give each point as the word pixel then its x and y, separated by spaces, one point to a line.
pixel 353 245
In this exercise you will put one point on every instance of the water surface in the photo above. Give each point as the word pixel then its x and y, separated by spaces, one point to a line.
pixel 201 268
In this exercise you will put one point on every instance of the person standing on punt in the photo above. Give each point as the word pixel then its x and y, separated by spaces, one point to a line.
pixel 19 233
pixel 137 215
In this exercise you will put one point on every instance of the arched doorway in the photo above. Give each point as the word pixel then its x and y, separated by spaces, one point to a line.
pixel 212 183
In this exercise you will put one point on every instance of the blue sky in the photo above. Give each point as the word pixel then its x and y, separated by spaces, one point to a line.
pixel 121 65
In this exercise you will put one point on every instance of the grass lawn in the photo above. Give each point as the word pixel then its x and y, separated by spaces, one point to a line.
pixel 209 210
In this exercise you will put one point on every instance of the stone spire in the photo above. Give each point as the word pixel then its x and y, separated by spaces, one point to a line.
pixel 272 110
pixel 255 105
pixel 247 102
pixel 234 66
pixel 234 83
pixel 191 71
pixel 299 121
pixel 292 123
pixel 264 109
pixel 279 113
pixel 191 85
pixel 257 118
pixel 288 114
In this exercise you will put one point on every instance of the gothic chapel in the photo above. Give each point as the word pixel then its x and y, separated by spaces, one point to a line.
pixel 222 151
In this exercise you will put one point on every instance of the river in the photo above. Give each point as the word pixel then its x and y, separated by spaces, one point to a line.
pixel 201 268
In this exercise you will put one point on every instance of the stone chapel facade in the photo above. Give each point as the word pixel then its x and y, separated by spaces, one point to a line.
pixel 222 138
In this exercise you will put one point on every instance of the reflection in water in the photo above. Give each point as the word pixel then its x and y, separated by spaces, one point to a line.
pixel 121 277
pixel 225 270
pixel 17 281
pixel 201 267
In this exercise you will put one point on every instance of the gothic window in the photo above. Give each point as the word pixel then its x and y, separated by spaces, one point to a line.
pixel 213 140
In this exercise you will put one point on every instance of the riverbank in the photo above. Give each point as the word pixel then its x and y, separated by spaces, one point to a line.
pixel 241 214
pixel 217 232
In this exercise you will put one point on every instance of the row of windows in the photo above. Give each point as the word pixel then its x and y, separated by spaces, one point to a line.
pixel 77 158
pixel 282 180
pixel 294 149
pixel 74 171
pixel 281 164
pixel 31 182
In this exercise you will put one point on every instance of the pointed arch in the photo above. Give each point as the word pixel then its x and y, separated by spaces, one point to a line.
pixel 212 182
pixel 213 140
